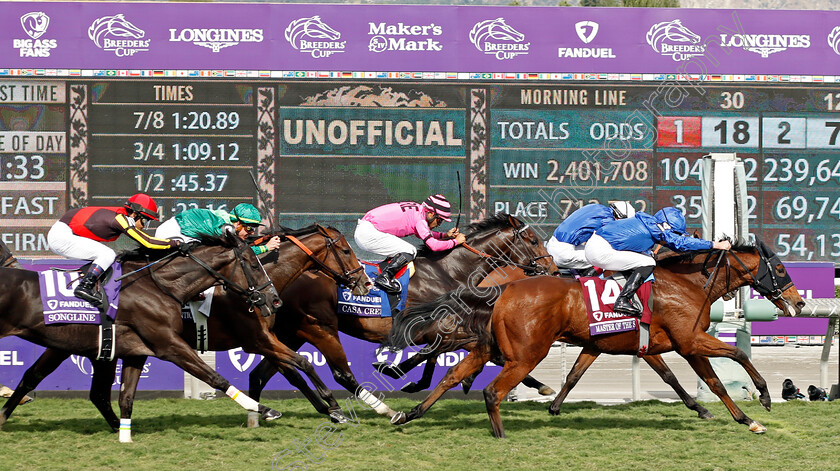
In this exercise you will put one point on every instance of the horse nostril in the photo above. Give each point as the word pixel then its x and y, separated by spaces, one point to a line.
pixel 800 304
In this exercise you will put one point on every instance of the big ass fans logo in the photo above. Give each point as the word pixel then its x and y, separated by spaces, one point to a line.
pixel 402 37
pixel 34 24
pixel 498 39
pixel 671 38
pixel 118 35
pixel 314 37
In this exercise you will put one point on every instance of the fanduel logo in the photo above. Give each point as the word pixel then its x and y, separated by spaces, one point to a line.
pixel 834 40
pixel 216 39
pixel 236 354
pixel 314 37
pixel 34 24
pixel 110 33
pixel 766 44
pixel 498 39
pixel 586 32
pixel 671 38
pixel 383 37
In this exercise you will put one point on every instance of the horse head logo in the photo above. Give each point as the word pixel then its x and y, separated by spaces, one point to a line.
pixel 115 25
pixel 312 27
pixel 671 31
pixel 834 39
pixel 35 23
pixel 496 30
pixel 236 354
pixel 581 28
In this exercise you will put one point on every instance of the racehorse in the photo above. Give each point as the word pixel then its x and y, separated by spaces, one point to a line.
pixel 309 311
pixel 520 325
pixel 315 246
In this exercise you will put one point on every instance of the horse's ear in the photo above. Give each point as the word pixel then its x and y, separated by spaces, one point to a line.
pixel 696 235
pixel 322 230
pixel 229 233
pixel 515 223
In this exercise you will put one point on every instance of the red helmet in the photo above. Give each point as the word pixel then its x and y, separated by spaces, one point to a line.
pixel 143 204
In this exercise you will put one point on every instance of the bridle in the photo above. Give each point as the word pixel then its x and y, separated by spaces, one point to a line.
pixel 773 292
pixel 533 268
pixel 343 277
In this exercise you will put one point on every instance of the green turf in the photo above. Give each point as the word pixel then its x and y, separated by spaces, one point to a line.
pixel 179 434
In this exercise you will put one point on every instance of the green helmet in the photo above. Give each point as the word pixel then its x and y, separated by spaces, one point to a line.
pixel 246 214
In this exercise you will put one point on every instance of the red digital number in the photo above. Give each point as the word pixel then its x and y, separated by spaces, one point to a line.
pixel 678 131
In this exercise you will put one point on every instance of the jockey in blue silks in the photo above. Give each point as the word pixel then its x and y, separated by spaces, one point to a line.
pixel 626 245
pixel 566 245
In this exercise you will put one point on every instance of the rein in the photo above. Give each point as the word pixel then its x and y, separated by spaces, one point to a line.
pixel 255 298
pixel 771 294
pixel 531 268
pixel 344 277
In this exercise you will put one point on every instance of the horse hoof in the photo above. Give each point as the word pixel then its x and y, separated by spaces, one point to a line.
pixel 706 415
pixel 765 401
pixel 337 417
pixel 545 391
pixel 253 419
pixel 385 369
pixel 271 414
pixel 554 411
pixel 399 418
pixel 757 428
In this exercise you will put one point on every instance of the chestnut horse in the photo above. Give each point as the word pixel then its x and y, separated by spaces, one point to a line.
pixel 314 247
pixel 519 326
pixel 309 311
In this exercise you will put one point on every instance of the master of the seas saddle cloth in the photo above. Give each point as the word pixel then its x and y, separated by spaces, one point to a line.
pixel 599 294
pixel 62 307
pixel 377 303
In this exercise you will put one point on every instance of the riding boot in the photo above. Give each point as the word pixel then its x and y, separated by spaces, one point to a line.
pixel 87 285
pixel 385 281
pixel 624 303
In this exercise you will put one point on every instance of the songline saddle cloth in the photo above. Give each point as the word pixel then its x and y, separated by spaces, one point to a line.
pixel 62 307
pixel 599 295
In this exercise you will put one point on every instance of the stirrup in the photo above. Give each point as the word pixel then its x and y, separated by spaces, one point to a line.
pixel 627 307
pixel 89 297
pixel 388 285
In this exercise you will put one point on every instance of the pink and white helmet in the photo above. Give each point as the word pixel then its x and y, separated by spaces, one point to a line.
pixel 439 205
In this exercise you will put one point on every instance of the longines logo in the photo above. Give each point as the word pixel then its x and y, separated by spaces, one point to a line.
pixel 834 40
pixel 110 32
pixel 314 37
pixel 586 32
pixel 497 38
pixel 216 39
pixel 385 37
pixel 34 24
pixel 766 44
pixel 671 38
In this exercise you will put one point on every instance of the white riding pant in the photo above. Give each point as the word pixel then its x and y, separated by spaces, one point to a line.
pixel 600 253
pixel 566 255
pixel 373 240
pixel 63 242
pixel 170 229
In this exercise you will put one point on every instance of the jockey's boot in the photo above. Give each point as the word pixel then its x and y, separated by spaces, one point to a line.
pixel 385 281
pixel 624 303
pixel 591 271
pixel 86 287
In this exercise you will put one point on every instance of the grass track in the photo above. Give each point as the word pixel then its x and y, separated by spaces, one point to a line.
pixel 179 434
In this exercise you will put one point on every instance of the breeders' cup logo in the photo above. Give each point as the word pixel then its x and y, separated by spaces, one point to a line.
pixel 34 24
pixel 497 38
pixel 671 38
pixel 216 39
pixel 586 32
pixel 834 39
pixel 766 44
pixel 383 37
pixel 118 35
pixel 313 36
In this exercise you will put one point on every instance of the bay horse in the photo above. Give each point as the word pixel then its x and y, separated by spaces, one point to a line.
pixel 313 247
pixel 309 311
pixel 519 326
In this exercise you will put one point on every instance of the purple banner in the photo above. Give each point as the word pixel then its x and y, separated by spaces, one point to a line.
pixel 813 280
pixel 417 38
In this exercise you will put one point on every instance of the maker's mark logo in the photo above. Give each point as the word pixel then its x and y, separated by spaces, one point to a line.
pixel 403 37
pixel 671 38
pixel 118 35
pixel 314 37
pixel 34 24
pixel 216 39
pixel 497 38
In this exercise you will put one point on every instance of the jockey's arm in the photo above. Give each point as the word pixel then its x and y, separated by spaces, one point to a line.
pixel 144 239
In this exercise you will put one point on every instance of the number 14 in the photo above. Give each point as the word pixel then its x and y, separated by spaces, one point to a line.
pixel 608 296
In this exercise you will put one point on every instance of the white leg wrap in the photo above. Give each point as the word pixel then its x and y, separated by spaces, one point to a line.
pixel 242 399
pixel 125 430
pixel 374 402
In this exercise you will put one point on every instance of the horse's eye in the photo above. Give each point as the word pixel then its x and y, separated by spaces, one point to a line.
pixel 533 241
pixel 346 251
pixel 780 270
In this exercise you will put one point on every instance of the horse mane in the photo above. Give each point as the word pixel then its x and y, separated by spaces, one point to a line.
pixel 739 245
pixel 497 222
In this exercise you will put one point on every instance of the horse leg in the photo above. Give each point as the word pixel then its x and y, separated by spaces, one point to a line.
pixel 512 374
pixel 259 377
pixel 703 368
pixel 466 383
pixel 43 366
pixel 582 363
pixel 397 372
pixel 100 391
pixel 470 364
pixel 541 387
pixel 131 369
pixel 657 363
pixel 425 380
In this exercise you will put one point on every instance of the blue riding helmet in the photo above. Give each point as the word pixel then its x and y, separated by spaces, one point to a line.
pixel 673 217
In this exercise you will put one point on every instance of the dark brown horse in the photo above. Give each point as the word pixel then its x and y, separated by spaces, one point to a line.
pixel 314 247
pixel 520 325
pixel 309 312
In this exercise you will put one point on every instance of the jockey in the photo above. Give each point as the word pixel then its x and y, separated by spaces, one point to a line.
pixel 191 224
pixel 626 245
pixel 566 246
pixel 379 231
pixel 80 232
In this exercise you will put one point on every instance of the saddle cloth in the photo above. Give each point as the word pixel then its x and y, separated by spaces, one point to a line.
pixel 377 302
pixel 599 295
pixel 62 307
